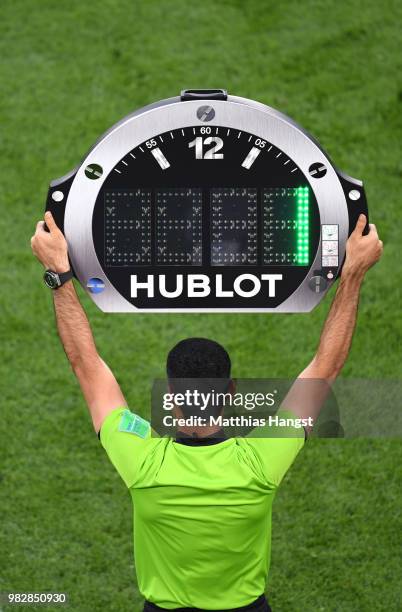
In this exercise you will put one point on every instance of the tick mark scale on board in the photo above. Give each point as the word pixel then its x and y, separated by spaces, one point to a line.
pixel 160 158
pixel 251 157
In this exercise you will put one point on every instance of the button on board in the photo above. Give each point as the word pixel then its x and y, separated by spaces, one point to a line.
pixel 330 232
pixel 330 262
pixel 317 284
pixel 329 247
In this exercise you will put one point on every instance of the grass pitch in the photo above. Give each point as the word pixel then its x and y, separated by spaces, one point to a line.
pixel 68 71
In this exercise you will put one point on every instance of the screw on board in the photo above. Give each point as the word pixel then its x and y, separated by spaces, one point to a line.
pixel 317 170
pixel 57 196
pixel 205 113
pixel 354 194
pixel 93 171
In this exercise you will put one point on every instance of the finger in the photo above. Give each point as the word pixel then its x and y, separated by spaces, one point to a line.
pixel 373 229
pixel 360 225
pixel 50 222
pixel 40 227
pixel 381 245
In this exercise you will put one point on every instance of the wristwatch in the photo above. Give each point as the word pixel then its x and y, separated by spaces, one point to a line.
pixel 54 280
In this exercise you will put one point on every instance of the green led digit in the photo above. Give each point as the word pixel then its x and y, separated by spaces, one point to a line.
pixel 302 226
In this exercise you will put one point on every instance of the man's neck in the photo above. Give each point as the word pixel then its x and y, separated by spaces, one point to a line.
pixel 199 432
pixel 190 438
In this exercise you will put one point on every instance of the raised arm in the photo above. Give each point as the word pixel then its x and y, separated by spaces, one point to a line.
pixel 98 384
pixel 307 396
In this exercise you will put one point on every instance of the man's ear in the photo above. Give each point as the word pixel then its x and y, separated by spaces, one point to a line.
pixel 231 386
pixel 177 411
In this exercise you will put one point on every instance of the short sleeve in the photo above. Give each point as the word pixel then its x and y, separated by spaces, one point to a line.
pixel 275 447
pixel 126 438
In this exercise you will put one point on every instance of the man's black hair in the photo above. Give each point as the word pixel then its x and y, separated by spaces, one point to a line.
pixel 198 358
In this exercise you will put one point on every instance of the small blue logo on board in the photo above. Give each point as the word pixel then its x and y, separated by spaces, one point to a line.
pixel 95 285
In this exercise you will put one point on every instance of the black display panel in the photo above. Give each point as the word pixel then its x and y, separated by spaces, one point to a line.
pixel 128 228
pixel 286 226
pixel 234 220
pixel 211 202
pixel 178 239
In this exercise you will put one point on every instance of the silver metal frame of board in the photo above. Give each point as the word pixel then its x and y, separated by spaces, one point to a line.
pixel 171 114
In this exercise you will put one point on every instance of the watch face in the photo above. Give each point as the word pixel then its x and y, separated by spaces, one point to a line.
pixel 51 279
pixel 212 201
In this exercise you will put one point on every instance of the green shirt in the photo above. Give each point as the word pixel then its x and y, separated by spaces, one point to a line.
pixel 202 514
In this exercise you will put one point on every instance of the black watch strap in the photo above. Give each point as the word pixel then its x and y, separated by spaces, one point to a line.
pixel 65 276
